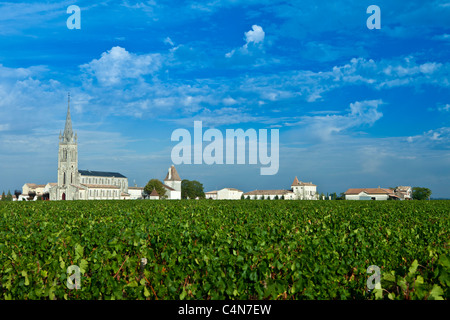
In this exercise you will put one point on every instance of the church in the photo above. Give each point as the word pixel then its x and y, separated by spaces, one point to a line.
pixel 75 184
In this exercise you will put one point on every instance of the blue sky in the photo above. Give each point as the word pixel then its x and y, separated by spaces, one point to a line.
pixel 354 107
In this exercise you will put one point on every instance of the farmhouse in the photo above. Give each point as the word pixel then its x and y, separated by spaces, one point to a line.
pixel 398 193
pixel 370 194
pixel 403 192
pixel 224 194
pixel 299 191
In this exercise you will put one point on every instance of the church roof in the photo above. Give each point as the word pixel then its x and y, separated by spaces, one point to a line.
pixel 172 175
pixel 100 174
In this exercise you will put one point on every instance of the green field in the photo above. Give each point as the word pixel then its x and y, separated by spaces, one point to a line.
pixel 242 249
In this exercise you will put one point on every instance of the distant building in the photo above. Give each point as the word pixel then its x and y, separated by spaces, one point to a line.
pixel 270 194
pixel 370 194
pixel 172 183
pixel 154 195
pixel 39 189
pixel 404 193
pixel 224 194
pixel 299 191
pixel 135 192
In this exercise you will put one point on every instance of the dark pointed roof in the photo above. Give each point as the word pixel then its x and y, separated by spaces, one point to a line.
pixel 172 175
pixel 154 193
pixel 68 133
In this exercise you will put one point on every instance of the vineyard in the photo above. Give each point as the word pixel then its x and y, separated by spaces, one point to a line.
pixel 211 249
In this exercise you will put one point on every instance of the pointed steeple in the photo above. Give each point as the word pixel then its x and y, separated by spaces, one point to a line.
pixel 68 133
pixel 296 182
pixel 172 174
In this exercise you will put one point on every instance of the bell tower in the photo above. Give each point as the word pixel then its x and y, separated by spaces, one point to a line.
pixel 67 159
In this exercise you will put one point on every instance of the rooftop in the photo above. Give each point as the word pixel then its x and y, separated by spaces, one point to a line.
pixel 369 191
pixel 267 192
pixel 172 175
pixel 100 174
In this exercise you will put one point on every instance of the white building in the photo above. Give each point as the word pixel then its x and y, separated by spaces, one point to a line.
pixel 399 193
pixel 299 191
pixel 370 194
pixel 32 187
pixel 224 194
pixel 135 192
pixel 172 183
pixel 270 194
pixel 403 192
pixel 154 195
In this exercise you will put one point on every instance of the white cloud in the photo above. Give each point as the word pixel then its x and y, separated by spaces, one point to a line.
pixel 253 38
pixel 435 137
pixel 169 41
pixel 256 35
pixel 117 65
pixel 445 108
pixel 442 37
pixel 325 127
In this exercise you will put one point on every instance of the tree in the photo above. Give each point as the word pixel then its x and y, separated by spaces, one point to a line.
pixel 248 197
pixel 31 195
pixel 242 197
pixel 341 196
pixel 17 193
pixel 276 197
pixel 9 196
pixel 419 193
pixel 192 189
pixel 322 196
pixel 3 196
pixel 158 186
pixel 282 197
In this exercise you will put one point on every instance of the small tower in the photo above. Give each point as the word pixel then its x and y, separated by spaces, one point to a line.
pixel 154 195
pixel 67 159
pixel 297 188
pixel 172 179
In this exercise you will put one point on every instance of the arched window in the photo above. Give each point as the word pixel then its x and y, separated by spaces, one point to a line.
pixel 64 178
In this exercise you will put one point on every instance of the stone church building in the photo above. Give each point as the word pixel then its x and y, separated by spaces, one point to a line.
pixel 75 184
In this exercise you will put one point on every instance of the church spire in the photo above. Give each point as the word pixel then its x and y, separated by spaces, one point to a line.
pixel 68 133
